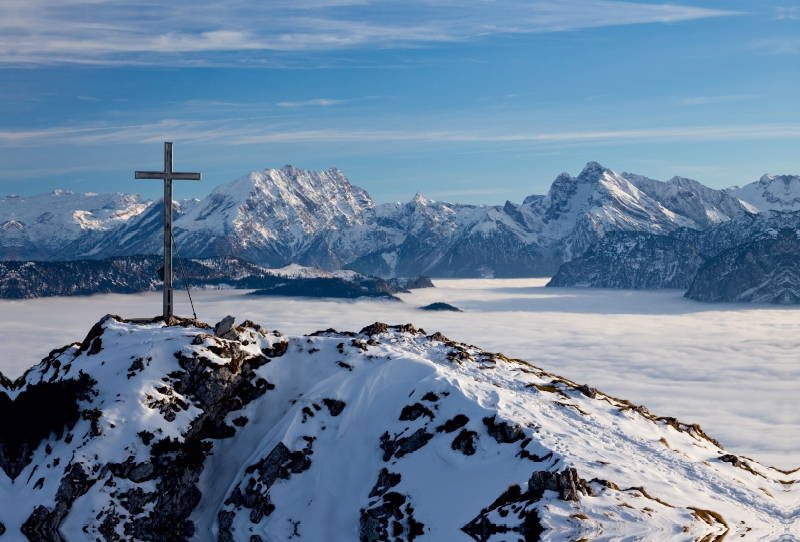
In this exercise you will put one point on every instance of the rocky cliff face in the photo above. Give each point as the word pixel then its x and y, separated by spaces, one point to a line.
pixel 275 217
pixel 172 430
pixel 765 271
pixel 645 260
pixel 632 260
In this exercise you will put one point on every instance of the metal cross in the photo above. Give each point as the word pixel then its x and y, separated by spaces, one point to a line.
pixel 168 175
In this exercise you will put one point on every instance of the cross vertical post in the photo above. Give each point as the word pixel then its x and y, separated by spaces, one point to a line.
pixel 168 302
pixel 168 175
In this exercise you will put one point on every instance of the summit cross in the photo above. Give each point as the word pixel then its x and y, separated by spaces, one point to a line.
pixel 168 175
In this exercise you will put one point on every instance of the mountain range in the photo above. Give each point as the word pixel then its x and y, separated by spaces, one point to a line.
pixel 275 217
pixel 130 274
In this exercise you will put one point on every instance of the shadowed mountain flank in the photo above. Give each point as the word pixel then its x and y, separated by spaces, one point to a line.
pixel 765 271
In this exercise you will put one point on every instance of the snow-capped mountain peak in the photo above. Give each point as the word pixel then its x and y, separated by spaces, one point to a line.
pixel 275 217
pixel 771 192
pixel 39 226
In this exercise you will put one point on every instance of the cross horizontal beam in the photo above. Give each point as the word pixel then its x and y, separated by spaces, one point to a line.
pixel 168 175
pixel 175 176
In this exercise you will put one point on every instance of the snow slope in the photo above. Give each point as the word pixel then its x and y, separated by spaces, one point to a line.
pixel 349 435
pixel 771 192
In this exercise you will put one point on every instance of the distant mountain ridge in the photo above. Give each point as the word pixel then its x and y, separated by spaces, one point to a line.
pixel 275 217
pixel 131 274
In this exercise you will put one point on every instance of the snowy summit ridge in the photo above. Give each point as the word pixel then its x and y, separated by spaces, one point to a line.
pixel 173 430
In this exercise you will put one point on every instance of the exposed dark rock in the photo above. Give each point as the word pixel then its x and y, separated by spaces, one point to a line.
pixel 503 432
pixel 517 508
pixel 404 445
pixel 458 421
pixel 413 412
pixel 2 529
pixel 135 472
pixel 439 337
pixel 430 397
pixel 733 460
pixel 335 406
pixel 225 519
pixel 591 393
pixel 42 524
pixel 386 481
pixel 388 519
pixel 277 350
pixel 135 500
pixel 567 484
pixel 375 329
pixel 280 464
pixel 465 442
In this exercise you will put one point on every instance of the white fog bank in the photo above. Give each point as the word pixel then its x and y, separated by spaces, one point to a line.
pixel 732 368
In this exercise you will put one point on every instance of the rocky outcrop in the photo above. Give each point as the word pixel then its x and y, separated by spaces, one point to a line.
pixel 515 511
pixel 390 516
pixel 43 523
pixel 567 484
pixel 214 388
pixel 764 271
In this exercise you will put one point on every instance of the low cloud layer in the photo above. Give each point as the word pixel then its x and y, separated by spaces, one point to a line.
pixel 730 368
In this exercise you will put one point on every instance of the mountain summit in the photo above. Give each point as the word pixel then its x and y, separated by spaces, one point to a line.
pixel 167 431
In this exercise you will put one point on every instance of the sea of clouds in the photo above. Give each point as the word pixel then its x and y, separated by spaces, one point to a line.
pixel 732 368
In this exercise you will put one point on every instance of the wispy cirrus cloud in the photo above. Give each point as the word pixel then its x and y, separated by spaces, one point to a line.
pixel 782 45
pixel 314 102
pixel 788 13
pixel 237 132
pixel 206 32
pixel 706 100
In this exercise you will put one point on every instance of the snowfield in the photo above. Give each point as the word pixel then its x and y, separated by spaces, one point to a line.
pixel 731 368
pixel 358 436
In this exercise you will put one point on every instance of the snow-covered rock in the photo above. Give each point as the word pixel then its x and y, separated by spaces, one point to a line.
pixel 171 430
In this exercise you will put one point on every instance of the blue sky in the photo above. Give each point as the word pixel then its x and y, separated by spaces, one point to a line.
pixel 477 101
